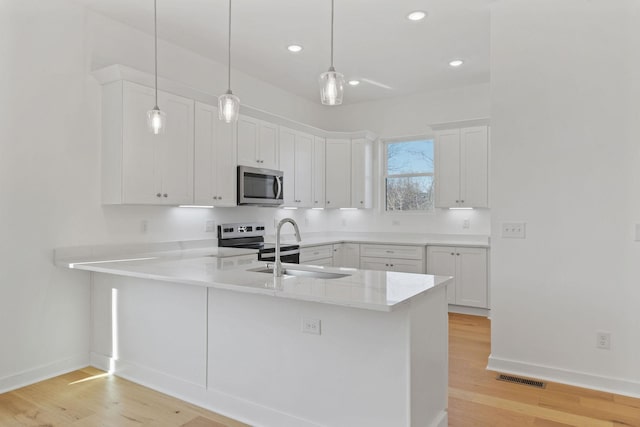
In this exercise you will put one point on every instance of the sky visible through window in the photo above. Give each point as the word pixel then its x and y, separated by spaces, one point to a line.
pixel 410 157
pixel 409 176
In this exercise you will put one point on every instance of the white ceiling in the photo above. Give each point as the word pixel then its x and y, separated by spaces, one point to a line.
pixel 373 40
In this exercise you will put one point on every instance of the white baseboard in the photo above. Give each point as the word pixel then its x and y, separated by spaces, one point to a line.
pixel 230 406
pixel 474 311
pixel 442 420
pixel 43 372
pixel 565 376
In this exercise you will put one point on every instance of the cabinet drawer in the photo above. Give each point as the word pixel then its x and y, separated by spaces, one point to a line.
pixel 315 252
pixel 392 251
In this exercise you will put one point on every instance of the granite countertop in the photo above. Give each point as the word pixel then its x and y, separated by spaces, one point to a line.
pixel 366 289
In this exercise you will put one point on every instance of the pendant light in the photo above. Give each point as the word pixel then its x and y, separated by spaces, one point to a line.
pixel 156 119
pixel 331 82
pixel 229 104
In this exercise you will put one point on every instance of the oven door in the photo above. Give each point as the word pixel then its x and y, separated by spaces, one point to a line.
pixel 261 187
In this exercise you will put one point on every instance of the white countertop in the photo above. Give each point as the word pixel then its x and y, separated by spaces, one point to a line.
pixel 413 239
pixel 373 290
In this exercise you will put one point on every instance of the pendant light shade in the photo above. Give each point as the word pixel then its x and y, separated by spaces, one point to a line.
pixel 228 107
pixel 331 87
pixel 331 82
pixel 156 119
pixel 229 104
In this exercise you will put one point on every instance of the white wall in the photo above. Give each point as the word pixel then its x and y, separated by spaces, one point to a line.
pixel 565 157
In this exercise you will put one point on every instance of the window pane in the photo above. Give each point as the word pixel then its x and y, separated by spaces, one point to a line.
pixel 410 157
pixel 410 193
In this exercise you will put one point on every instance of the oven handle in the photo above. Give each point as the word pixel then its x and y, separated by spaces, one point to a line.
pixel 279 187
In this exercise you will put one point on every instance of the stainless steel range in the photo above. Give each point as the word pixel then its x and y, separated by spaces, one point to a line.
pixel 250 235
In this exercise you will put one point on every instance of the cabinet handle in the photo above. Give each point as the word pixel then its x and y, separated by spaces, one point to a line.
pixel 389 252
pixel 461 201
pixel 452 253
pixel 165 195
pixel 457 201
pixel 386 265
pixel 458 254
pixel 361 202
pixel 219 197
pixel 316 202
pixel 158 195
pixel 328 201
pixel 215 198
pixel 391 265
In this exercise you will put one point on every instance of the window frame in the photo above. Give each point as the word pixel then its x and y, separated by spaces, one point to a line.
pixel 385 142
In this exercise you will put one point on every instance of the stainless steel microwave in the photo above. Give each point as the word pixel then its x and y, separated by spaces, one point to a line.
pixel 260 187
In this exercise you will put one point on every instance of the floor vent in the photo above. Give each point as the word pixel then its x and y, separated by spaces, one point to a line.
pixel 518 380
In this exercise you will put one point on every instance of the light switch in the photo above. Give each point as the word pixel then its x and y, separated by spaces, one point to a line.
pixel 514 230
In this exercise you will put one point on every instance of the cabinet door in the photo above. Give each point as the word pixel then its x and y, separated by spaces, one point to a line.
pixel 226 164
pixel 268 145
pixel 379 264
pixel 338 173
pixel 304 169
pixel 361 170
pixel 248 134
pixel 319 146
pixel 351 255
pixel 215 158
pixel 471 277
pixel 176 158
pixel 206 119
pixel 447 168
pixel 474 166
pixel 287 148
pixel 441 261
pixel 338 252
pixel 141 179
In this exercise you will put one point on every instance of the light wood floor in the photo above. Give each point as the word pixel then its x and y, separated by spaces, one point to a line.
pixel 89 398
pixel 477 399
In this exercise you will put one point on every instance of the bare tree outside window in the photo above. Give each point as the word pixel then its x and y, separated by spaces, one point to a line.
pixel 409 175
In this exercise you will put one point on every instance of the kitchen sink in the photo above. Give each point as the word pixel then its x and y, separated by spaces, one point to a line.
pixel 302 273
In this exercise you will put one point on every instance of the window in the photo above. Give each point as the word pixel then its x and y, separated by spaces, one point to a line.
pixel 408 179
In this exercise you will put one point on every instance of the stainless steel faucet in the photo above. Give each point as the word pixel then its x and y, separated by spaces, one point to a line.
pixel 277 267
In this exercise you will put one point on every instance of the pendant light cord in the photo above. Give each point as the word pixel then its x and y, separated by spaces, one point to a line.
pixel 229 50
pixel 331 33
pixel 155 31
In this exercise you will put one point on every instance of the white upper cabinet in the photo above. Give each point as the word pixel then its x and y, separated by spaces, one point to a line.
pixel 361 173
pixel 461 168
pixel 318 179
pixel 215 158
pixel 137 166
pixel 296 161
pixel 338 173
pixel 257 143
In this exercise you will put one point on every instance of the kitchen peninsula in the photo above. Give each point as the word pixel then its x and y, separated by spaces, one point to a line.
pixel 365 348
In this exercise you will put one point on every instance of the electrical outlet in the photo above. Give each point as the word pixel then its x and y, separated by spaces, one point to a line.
pixel 514 230
pixel 144 226
pixel 466 223
pixel 311 326
pixel 209 226
pixel 603 340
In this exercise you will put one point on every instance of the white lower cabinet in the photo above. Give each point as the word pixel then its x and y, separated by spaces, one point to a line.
pixel 317 255
pixel 401 258
pixel 346 255
pixel 468 266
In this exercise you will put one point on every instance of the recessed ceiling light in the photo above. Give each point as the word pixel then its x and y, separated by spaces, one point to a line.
pixel 417 15
pixel 456 62
pixel 295 48
pixel 354 82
